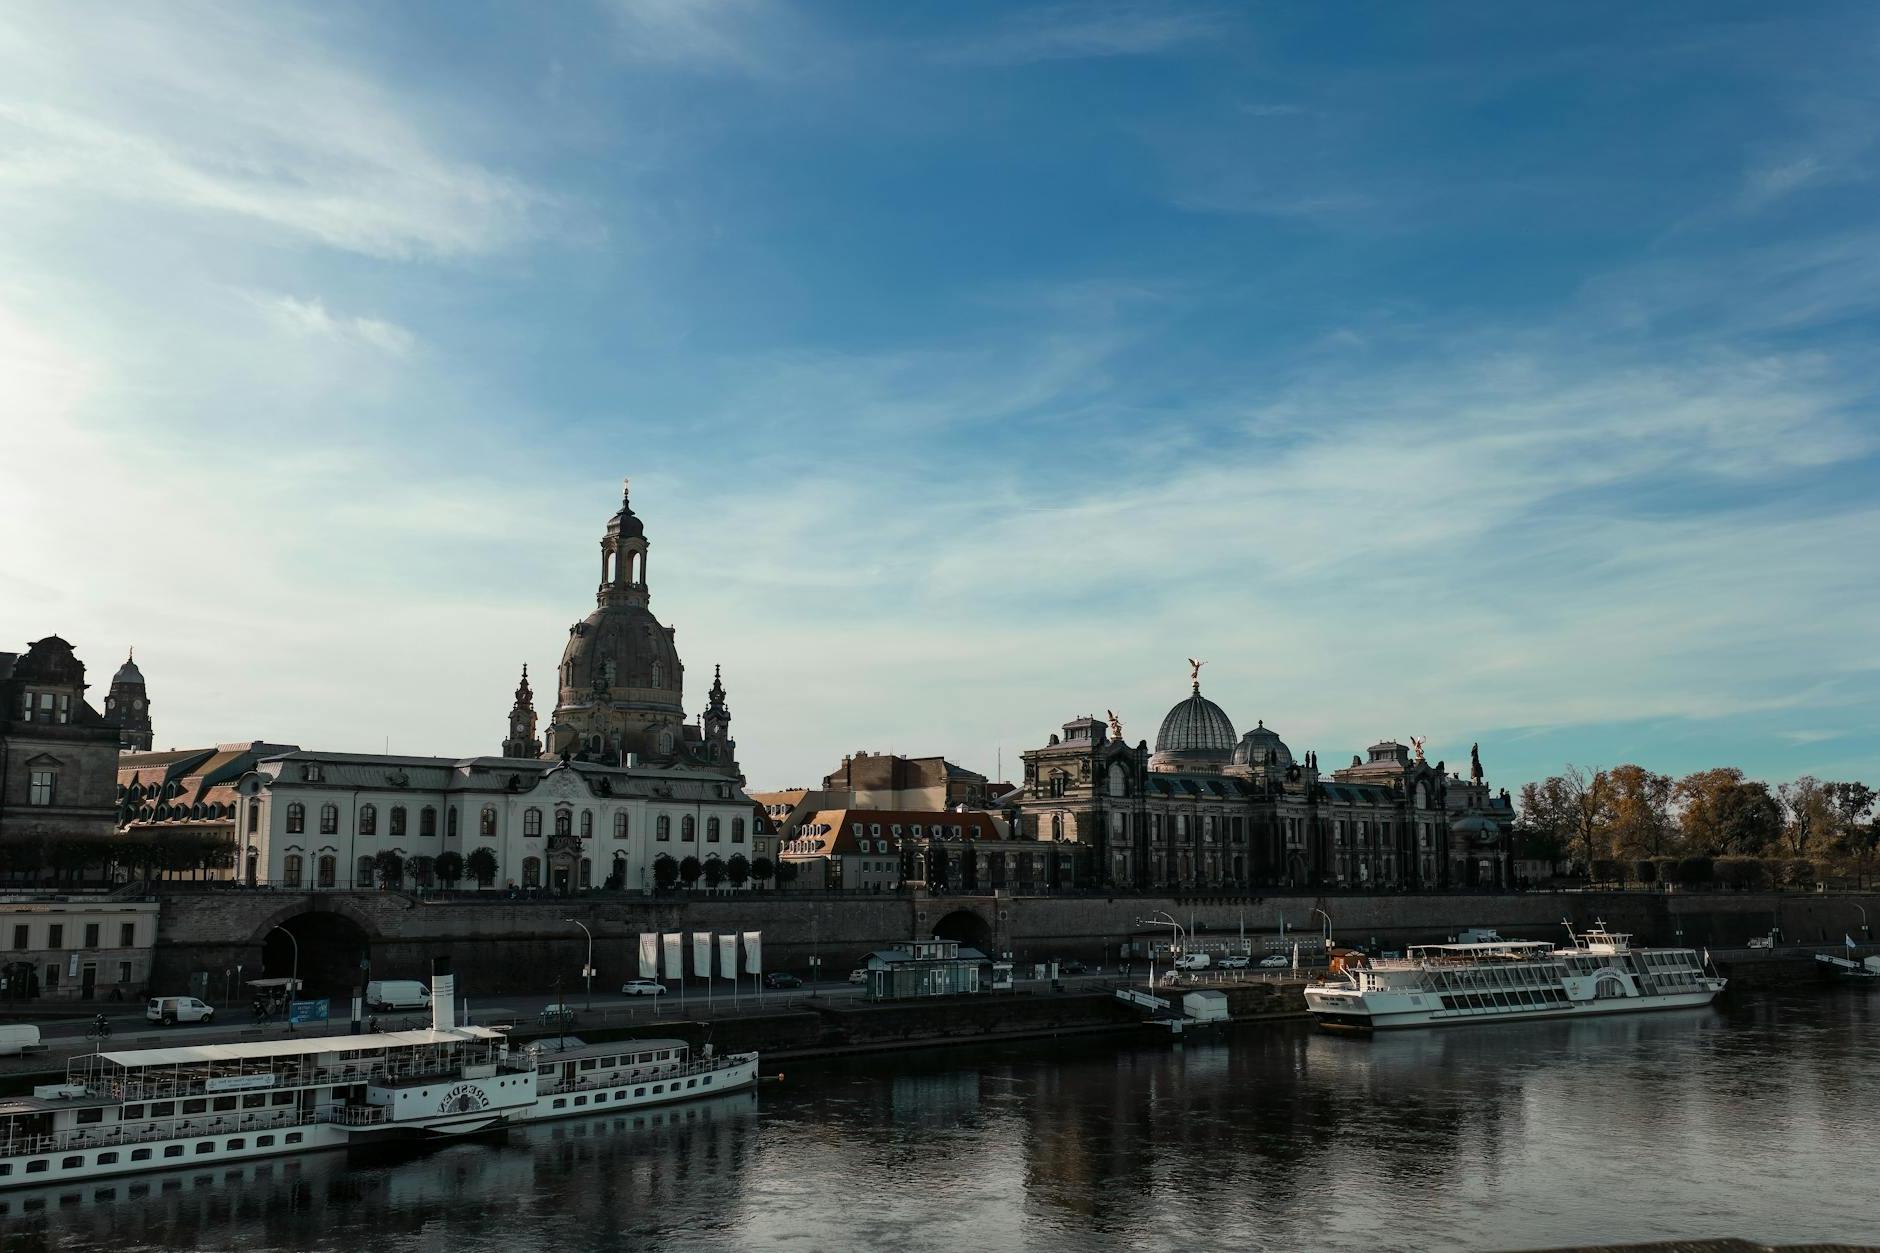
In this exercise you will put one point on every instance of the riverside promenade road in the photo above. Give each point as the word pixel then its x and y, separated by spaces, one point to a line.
pixel 67 1036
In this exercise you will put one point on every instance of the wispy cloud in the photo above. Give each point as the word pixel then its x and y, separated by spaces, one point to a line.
pixel 1084 31
pixel 312 318
pixel 239 114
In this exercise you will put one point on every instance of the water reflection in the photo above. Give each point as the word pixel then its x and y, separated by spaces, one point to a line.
pixel 1746 1121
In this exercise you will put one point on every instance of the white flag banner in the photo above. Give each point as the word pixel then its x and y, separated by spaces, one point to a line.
pixel 702 954
pixel 753 952
pixel 649 954
pixel 728 956
pixel 675 954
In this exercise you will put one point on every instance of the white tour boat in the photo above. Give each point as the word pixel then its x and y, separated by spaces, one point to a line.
pixel 1435 985
pixel 155 1109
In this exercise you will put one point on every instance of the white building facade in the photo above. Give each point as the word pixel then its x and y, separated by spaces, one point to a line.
pixel 313 820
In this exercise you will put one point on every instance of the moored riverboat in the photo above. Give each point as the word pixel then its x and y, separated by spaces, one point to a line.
pixel 1436 985
pixel 126 1112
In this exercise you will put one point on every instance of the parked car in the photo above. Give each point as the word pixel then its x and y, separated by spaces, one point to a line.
pixel 642 987
pixel 859 975
pixel 170 1010
pixel 1193 961
pixel 1275 959
pixel 1235 961
pixel 1073 968
pixel 782 979
pixel 556 1016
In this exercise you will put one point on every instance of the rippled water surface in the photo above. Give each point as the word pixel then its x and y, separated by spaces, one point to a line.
pixel 1756 1120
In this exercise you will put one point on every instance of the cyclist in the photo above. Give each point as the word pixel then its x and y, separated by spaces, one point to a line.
pixel 101 1026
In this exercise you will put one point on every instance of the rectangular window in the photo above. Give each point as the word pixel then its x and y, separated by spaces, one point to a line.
pixel 264 1142
pixel 91 935
pixel 124 972
pixel 19 938
pixel 40 787
pixel 140 1155
pixel 55 935
pixel 294 1137
pixel 127 935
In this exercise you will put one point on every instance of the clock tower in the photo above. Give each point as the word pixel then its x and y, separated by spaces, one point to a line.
pixel 128 705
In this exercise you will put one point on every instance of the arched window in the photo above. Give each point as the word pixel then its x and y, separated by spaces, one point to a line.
pixel 688 829
pixel 659 675
pixel 368 820
pixel 1058 780
pixel 531 822
pixel 737 830
pixel 290 870
pixel 427 820
pixel 620 825
pixel 397 827
pixel 329 820
pixel 662 827
pixel 296 818
pixel 587 824
pixel 365 873
pixel 486 821
pixel 1119 782
pixel 711 830
pixel 564 822
pixel 450 823
pixel 665 741
pixel 531 872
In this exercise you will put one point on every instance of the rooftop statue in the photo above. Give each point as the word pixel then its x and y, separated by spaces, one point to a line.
pixel 1417 742
pixel 1194 672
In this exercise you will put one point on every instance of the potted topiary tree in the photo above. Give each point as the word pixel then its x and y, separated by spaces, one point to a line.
pixel 482 867
pixel 737 870
pixel 665 872
pixel 714 873
pixel 689 871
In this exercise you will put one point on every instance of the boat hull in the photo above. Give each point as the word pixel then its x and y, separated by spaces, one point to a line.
pixel 1344 1017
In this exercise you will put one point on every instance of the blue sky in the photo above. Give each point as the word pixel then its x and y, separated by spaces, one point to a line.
pixel 1479 372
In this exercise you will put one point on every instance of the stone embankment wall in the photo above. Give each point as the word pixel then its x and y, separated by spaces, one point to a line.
pixel 510 946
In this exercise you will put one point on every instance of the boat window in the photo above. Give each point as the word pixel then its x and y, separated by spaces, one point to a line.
pixel 140 1155
pixel 708 1081
pixel 205 1146
pixel 256 1101
pixel 162 1109
pixel 131 1111
pixel 37 1167
pixel 642 1057
pixel 226 1102
pixel 658 1088
pixel 639 1091
pixel 262 1142
pixel 580 1100
pixel 610 1061
pixel 691 1083
pixel 294 1137
pixel 561 1102
pixel 172 1150
pixel 195 1107
pixel 91 1115
pixel 599 1097
pixel 71 1163
pixel 238 1144
pixel 107 1159
pixel 588 1063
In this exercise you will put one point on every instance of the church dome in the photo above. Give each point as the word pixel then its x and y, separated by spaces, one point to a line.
pixel 1475 828
pixel 128 673
pixel 1257 743
pixel 1197 730
pixel 621 653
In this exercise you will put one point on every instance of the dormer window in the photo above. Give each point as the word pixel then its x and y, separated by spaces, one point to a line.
pixel 312 773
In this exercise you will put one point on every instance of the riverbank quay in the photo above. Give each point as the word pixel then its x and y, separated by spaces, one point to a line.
pixel 209 936
pixel 811 1027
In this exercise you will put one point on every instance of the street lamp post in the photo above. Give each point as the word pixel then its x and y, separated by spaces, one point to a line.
pixel 1165 919
pixel 587 971
pixel 293 987
pixel 1328 929
pixel 1865 930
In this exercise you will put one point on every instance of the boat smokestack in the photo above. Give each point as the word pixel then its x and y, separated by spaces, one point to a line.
pixel 443 995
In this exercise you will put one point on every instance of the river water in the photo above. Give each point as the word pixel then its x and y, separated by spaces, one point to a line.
pixel 1756 1119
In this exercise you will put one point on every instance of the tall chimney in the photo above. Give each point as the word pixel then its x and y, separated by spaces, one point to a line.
pixel 443 995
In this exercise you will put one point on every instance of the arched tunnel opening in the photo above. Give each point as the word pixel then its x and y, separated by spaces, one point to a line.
pixel 332 946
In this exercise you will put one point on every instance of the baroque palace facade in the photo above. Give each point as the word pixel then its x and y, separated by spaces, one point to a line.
pixel 1206 808
pixel 624 779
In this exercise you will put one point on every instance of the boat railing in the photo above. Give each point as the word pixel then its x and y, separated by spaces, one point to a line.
pixel 360 1115
pixel 145 1133
pixel 644 1074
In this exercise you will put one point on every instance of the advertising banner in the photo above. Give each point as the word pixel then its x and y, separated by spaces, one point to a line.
pixel 307 1011
pixel 702 954
pixel 649 954
pixel 728 956
pixel 753 952
pixel 675 954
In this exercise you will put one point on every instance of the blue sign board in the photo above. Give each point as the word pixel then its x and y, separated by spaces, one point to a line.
pixel 307 1011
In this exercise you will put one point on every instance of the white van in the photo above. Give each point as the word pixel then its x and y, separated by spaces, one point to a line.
pixel 170 1010
pixel 383 994
pixel 1193 961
